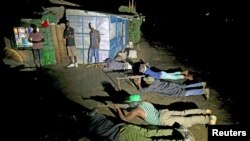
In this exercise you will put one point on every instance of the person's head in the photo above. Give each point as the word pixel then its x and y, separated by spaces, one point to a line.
pixel 67 23
pixel 34 27
pixel 133 100
pixel 148 80
pixel 142 68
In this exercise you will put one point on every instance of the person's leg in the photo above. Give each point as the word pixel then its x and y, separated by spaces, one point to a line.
pixel 188 112
pixel 97 55
pixel 39 52
pixel 175 73
pixel 199 84
pixel 71 57
pixel 68 53
pixel 187 121
pixel 75 58
pixel 195 92
pixel 35 57
pixel 172 76
pixel 74 52
pixel 91 54
pixel 137 133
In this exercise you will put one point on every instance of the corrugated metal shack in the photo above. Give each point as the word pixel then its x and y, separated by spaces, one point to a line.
pixel 113 30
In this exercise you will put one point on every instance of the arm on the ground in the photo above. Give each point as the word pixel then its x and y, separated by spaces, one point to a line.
pixel 131 115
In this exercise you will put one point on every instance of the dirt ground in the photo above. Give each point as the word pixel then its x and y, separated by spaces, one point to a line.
pixel 68 90
pixel 86 87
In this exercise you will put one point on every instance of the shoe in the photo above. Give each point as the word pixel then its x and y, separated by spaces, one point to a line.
pixel 208 111
pixel 204 84
pixel 212 120
pixel 93 112
pixel 76 65
pixel 70 65
pixel 206 94
pixel 187 135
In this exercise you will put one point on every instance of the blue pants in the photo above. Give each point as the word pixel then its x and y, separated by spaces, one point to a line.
pixel 172 76
pixel 196 91
pixel 93 52
pixel 37 56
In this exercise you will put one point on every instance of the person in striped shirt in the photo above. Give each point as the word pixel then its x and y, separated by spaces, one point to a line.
pixel 101 128
pixel 165 117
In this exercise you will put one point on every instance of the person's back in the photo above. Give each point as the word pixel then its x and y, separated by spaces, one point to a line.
pixel 164 87
pixel 152 114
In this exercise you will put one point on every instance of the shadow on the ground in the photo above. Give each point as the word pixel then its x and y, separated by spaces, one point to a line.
pixel 114 96
pixel 35 107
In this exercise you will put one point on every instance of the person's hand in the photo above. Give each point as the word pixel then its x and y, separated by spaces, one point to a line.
pixel 138 81
pixel 116 107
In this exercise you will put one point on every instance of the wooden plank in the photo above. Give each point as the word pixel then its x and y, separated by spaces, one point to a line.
pixel 63 41
pixel 128 77
pixel 61 44
pixel 131 77
pixel 55 43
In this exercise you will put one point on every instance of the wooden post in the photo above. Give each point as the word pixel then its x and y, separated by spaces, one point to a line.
pixel 118 81
pixel 128 77
pixel 64 51
pixel 60 43
pixel 55 43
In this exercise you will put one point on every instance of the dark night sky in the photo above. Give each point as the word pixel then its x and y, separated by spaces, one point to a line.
pixel 182 13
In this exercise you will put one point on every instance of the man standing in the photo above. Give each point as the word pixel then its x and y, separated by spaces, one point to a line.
pixel 68 34
pixel 36 38
pixel 94 46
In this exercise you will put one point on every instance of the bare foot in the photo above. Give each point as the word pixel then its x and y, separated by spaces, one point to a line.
pixel 189 77
pixel 185 72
